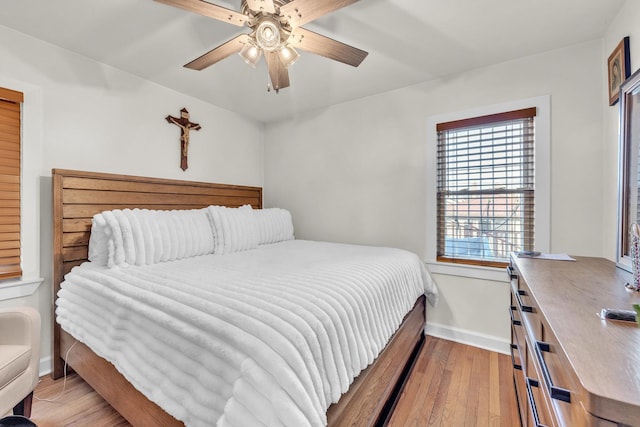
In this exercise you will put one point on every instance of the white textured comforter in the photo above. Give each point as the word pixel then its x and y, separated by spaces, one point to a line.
pixel 270 336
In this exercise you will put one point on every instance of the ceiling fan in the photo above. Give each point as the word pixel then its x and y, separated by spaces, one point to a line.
pixel 276 33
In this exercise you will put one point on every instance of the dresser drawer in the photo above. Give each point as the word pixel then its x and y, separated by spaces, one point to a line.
pixel 557 379
pixel 539 410
pixel 522 396
pixel 518 341
pixel 561 384
pixel 536 415
pixel 517 354
pixel 522 298
pixel 517 326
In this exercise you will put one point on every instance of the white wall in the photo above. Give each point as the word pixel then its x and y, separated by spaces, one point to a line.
pixel 353 172
pixel 80 114
pixel 356 172
pixel 625 24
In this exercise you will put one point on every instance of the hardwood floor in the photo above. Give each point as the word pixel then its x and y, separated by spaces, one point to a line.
pixel 78 406
pixel 457 385
pixel 451 385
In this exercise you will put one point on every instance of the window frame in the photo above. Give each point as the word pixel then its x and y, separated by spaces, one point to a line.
pixel 542 226
pixel 32 182
pixel 449 131
pixel 628 165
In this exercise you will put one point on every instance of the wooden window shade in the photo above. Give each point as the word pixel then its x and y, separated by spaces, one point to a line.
pixel 485 194
pixel 10 183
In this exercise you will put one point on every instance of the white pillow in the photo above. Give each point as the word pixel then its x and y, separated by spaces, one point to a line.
pixel 99 240
pixel 274 225
pixel 142 236
pixel 234 229
pixel 106 242
pixel 190 234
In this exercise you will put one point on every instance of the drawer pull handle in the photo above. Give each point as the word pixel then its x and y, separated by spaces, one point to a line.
pixel 556 392
pixel 513 320
pixel 525 308
pixel 513 357
pixel 532 402
pixel 511 273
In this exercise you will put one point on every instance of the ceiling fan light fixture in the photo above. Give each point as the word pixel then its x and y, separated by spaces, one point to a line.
pixel 267 34
pixel 250 54
pixel 288 55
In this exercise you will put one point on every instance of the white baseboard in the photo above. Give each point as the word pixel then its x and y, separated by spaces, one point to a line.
pixel 476 339
pixel 45 366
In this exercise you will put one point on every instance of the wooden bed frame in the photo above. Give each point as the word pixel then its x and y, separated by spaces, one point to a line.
pixel 77 196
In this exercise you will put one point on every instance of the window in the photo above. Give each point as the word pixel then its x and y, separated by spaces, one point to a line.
pixel 485 187
pixel 629 168
pixel 10 102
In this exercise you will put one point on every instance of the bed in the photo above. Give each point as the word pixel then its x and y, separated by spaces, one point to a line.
pixel 78 196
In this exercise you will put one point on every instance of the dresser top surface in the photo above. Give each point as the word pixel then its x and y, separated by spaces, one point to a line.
pixel 604 354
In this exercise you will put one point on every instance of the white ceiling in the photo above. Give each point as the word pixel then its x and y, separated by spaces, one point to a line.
pixel 409 41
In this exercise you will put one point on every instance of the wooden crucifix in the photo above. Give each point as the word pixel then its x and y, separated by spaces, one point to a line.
pixel 185 126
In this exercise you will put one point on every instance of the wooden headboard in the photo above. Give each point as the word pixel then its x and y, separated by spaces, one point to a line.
pixel 78 195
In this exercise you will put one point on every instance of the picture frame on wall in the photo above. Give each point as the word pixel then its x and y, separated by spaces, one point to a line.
pixel 618 69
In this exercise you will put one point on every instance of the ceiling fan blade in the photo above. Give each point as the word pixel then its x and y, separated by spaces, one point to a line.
pixel 261 6
pixel 211 10
pixel 277 71
pixel 300 12
pixel 324 46
pixel 219 53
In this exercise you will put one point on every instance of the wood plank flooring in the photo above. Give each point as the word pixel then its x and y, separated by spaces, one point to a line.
pixel 457 385
pixel 451 385
pixel 77 406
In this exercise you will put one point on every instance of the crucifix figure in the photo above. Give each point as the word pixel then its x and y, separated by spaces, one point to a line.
pixel 185 126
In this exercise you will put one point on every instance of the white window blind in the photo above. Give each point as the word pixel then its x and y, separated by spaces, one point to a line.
pixel 485 190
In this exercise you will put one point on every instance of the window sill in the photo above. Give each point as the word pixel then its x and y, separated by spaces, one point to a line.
pixel 469 271
pixel 16 288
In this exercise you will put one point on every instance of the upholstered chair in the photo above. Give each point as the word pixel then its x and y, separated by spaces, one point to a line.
pixel 19 358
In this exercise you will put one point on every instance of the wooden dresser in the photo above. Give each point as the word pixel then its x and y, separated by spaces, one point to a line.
pixel 570 367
